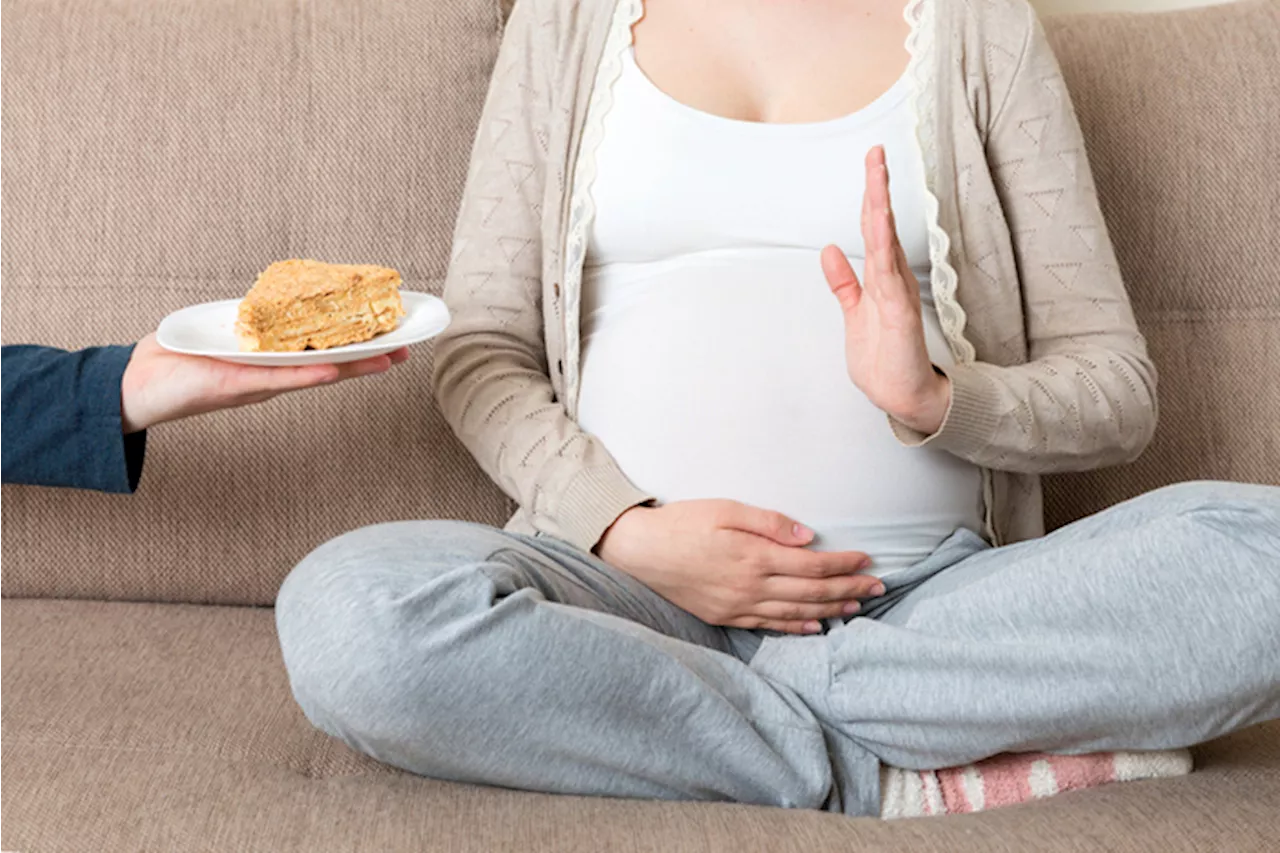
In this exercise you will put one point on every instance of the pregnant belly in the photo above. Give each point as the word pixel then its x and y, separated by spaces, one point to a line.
pixel 714 378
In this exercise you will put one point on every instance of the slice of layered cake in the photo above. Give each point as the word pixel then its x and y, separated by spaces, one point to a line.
pixel 297 305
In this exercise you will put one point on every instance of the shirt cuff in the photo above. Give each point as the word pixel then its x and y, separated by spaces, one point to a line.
pixel 970 420
pixel 592 503
pixel 115 458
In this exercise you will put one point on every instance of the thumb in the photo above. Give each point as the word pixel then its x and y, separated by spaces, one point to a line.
pixel 841 278
pixel 773 526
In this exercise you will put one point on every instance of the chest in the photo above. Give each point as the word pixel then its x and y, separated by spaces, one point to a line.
pixel 674 182
pixel 772 61
pixel 950 114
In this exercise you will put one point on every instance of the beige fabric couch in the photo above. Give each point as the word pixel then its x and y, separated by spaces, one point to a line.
pixel 158 153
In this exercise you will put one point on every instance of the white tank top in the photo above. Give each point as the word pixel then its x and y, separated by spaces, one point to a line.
pixel 712 348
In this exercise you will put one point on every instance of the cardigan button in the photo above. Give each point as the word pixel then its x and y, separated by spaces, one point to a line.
pixel 555 288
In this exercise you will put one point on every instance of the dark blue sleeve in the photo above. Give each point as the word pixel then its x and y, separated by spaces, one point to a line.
pixel 61 419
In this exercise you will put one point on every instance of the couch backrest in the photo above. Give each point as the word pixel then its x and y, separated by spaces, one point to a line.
pixel 1182 124
pixel 162 152
pixel 159 153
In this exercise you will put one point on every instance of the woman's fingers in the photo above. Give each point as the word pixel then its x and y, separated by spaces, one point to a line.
pixel 865 221
pixel 839 589
pixel 868 234
pixel 877 223
pixel 880 251
pixel 798 606
pixel 877 178
pixel 791 611
pixel 798 563
pixel 900 256
pixel 774 526
pixel 886 259
pixel 755 623
pixel 841 278
pixel 875 156
pixel 911 285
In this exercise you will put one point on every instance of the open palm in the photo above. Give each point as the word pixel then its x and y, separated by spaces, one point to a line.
pixel 885 347
pixel 160 385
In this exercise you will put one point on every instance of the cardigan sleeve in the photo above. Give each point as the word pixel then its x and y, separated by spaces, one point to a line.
pixel 1086 398
pixel 61 419
pixel 491 372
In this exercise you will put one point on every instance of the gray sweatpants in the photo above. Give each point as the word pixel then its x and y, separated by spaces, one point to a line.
pixel 461 652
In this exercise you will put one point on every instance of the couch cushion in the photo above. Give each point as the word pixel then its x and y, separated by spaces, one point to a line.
pixel 1179 118
pixel 170 727
pixel 161 153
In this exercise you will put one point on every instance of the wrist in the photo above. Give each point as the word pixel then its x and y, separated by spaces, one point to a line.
pixel 132 411
pixel 929 409
pixel 613 544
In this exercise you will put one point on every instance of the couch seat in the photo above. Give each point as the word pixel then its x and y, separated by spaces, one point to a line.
pixel 138 727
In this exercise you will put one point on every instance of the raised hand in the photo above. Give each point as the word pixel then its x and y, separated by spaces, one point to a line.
pixel 732 564
pixel 159 385
pixel 884 334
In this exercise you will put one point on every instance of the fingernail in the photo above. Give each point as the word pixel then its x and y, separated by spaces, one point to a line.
pixel 877 590
pixel 850 608
pixel 812 627
pixel 865 564
pixel 801 532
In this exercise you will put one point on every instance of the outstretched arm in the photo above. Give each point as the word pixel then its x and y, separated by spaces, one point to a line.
pixel 78 419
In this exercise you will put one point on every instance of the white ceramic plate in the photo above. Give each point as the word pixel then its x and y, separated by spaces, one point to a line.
pixel 209 330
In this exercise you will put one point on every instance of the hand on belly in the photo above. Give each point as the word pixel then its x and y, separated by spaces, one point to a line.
pixel 737 565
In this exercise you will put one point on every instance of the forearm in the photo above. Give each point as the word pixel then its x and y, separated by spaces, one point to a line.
pixel 490 370
pixel 502 407
pixel 62 422
pixel 1086 396
pixel 1070 411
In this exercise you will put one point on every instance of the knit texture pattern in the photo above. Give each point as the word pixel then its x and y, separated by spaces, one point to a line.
pixel 1053 374
pixel 158 156
pixel 160 153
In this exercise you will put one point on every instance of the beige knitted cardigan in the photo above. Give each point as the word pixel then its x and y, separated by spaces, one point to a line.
pixel 1051 373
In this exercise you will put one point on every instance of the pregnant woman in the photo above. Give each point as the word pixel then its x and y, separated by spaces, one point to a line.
pixel 769 315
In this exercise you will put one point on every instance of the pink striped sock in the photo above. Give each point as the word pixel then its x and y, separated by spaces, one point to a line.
pixel 1012 778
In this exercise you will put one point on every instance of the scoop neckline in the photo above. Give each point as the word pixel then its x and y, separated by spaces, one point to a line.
pixel 878 107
